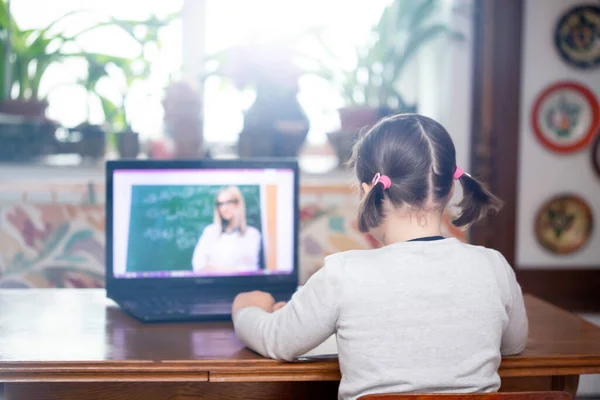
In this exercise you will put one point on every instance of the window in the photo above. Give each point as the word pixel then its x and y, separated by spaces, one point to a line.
pixel 212 25
pixel 230 22
pixel 67 102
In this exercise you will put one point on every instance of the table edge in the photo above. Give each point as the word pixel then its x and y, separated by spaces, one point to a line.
pixel 262 370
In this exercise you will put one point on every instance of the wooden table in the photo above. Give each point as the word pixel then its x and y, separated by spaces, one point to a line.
pixel 74 344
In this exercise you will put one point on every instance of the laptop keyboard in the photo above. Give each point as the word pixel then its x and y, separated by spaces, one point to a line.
pixel 163 307
pixel 170 306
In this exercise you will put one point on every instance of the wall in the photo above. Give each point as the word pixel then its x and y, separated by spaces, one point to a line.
pixel 193 37
pixel 446 78
pixel 542 173
pixel 440 77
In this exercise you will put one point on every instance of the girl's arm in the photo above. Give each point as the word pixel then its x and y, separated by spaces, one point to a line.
pixel 514 338
pixel 301 325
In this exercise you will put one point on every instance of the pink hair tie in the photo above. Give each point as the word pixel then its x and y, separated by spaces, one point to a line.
pixel 458 172
pixel 384 180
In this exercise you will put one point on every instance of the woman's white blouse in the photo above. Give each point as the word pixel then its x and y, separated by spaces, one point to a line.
pixel 227 251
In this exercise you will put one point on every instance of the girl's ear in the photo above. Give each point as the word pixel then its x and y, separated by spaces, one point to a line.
pixel 366 188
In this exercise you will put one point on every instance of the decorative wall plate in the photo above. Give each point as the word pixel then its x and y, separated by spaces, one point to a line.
pixel 565 117
pixel 596 155
pixel 564 224
pixel 577 36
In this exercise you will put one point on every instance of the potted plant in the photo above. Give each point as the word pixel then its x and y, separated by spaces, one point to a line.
pixel 275 124
pixel 114 133
pixel 372 89
pixel 183 120
pixel 29 53
pixel 120 134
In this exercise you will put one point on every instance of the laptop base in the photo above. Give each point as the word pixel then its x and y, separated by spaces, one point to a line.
pixel 178 308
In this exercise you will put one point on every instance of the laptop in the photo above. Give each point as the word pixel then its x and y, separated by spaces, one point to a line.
pixel 183 238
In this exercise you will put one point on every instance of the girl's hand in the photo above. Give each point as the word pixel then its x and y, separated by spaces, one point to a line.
pixel 279 305
pixel 253 299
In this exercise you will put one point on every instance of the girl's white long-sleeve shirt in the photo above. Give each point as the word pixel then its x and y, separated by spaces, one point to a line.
pixel 424 316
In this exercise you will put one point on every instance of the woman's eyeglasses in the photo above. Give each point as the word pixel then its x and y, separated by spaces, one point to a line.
pixel 232 202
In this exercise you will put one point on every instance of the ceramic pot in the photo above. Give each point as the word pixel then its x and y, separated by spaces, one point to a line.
pixel 274 126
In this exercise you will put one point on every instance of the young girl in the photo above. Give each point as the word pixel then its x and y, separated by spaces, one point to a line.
pixel 421 314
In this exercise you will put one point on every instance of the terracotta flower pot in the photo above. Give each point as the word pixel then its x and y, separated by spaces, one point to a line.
pixel 24 108
pixel 183 123
pixel 93 140
pixel 355 118
pixel 274 126
pixel 358 118
pixel 23 140
pixel 342 142
pixel 128 144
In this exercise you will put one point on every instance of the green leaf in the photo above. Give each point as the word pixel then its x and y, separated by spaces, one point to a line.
pixel 34 50
pixel 113 114
pixel 42 32
pixel 404 27
pixel 422 12
pixel 3 71
pixel 416 43
pixel 43 62
pixel 400 20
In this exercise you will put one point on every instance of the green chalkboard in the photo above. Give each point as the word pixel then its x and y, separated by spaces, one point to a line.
pixel 167 220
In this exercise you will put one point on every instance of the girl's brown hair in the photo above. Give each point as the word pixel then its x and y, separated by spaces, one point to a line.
pixel 418 155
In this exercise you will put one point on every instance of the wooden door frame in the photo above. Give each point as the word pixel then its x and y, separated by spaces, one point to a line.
pixel 498 26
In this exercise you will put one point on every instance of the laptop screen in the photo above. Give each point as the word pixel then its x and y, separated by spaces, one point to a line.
pixel 175 223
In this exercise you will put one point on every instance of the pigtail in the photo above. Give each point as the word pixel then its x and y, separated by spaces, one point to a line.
pixel 370 209
pixel 477 202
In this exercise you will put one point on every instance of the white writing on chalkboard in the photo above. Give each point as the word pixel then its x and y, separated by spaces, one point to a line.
pixel 171 215
pixel 166 194
pixel 184 239
pixel 195 200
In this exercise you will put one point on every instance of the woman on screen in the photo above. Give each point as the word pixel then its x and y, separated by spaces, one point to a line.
pixel 228 244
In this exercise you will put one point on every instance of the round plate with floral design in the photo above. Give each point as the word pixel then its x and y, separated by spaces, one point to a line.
pixel 565 117
pixel 564 224
pixel 577 36
pixel 596 155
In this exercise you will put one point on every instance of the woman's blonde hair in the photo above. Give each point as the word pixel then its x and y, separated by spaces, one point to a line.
pixel 239 219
